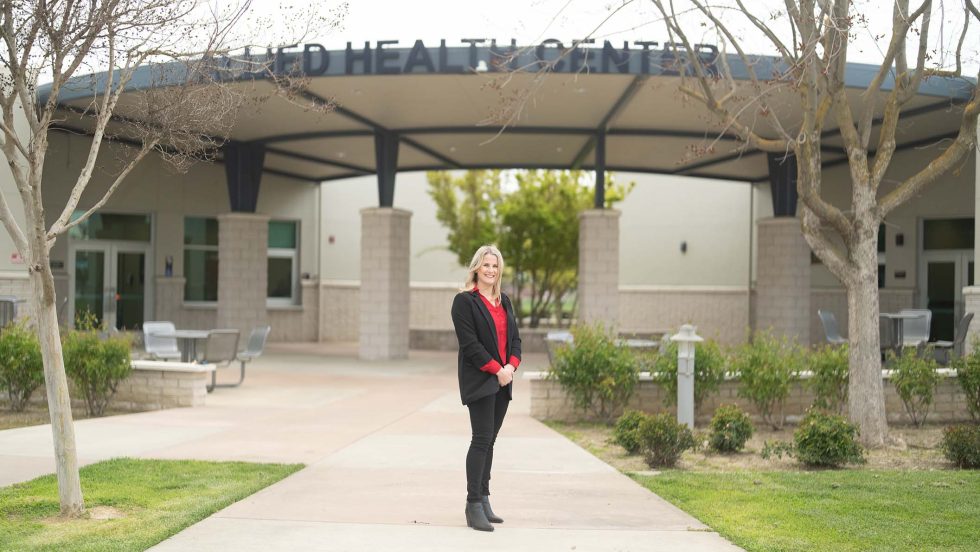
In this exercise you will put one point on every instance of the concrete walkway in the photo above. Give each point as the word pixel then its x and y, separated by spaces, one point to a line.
pixel 384 444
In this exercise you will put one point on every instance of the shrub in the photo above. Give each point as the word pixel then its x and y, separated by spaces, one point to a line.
pixel 709 371
pixel 625 433
pixel 961 445
pixel 730 429
pixel 598 374
pixel 766 367
pixel 826 440
pixel 662 440
pixel 96 366
pixel 968 374
pixel 828 382
pixel 21 368
pixel 915 379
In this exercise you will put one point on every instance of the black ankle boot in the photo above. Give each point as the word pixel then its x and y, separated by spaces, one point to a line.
pixel 476 518
pixel 491 517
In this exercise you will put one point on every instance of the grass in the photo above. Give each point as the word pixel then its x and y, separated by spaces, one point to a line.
pixel 155 498
pixel 769 505
pixel 830 510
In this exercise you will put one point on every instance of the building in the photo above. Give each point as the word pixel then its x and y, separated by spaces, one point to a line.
pixel 301 224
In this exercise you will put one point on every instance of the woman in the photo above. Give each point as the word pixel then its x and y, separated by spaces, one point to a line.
pixel 489 353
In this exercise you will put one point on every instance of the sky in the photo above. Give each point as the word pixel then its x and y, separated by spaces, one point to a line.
pixel 530 21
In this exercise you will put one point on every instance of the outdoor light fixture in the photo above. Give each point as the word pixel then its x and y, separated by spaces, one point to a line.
pixel 481 67
pixel 899 239
pixel 683 247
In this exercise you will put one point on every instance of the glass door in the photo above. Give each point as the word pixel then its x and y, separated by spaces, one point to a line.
pixel 945 274
pixel 89 283
pixel 109 282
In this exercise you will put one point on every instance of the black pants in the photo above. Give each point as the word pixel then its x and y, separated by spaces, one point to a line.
pixel 486 417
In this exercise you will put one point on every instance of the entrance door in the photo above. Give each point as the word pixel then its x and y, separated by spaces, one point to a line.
pixel 945 274
pixel 109 281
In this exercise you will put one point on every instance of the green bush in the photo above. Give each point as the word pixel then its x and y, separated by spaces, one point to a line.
pixel 96 366
pixel 709 371
pixel 915 379
pixel 828 366
pixel 730 429
pixel 625 434
pixel 765 368
pixel 21 368
pixel 961 445
pixel 968 374
pixel 826 440
pixel 663 440
pixel 598 374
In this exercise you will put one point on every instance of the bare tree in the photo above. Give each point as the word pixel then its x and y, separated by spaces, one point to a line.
pixel 183 110
pixel 787 105
pixel 810 70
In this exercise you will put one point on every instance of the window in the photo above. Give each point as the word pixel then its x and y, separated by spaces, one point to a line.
pixel 881 256
pixel 283 263
pixel 111 226
pixel 201 259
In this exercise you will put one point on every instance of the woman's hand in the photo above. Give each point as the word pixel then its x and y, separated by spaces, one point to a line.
pixel 505 375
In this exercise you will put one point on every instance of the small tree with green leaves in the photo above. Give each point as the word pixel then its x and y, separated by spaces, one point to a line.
pixel 968 375
pixel 828 379
pixel 535 224
pixel 915 379
pixel 95 364
pixel 766 367
pixel 21 368
pixel 598 373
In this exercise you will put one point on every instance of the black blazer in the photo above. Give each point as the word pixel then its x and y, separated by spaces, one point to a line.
pixel 477 338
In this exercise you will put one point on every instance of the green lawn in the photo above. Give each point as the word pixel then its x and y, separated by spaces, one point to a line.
pixel 157 498
pixel 831 510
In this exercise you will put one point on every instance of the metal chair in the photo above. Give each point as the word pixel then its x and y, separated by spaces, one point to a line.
pixel 253 350
pixel 160 348
pixel 830 328
pixel 946 351
pixel 221 348
pixel 915 331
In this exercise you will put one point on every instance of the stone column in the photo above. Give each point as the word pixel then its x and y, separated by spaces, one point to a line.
pixel 598 267
pixel 243 242
pixel 971 293
pixel 783 279
pixel 384 297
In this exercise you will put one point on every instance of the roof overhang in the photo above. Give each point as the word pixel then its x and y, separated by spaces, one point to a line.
pixel 463 108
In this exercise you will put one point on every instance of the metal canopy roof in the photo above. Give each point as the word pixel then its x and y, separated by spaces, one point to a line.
pixel 443 114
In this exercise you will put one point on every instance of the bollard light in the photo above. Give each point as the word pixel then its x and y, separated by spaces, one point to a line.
pixel 685 338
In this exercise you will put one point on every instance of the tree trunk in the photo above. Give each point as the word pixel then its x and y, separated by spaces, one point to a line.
pixel 56 385
pixel 865 398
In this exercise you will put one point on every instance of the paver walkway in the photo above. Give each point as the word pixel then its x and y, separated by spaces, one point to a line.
pixel 384 444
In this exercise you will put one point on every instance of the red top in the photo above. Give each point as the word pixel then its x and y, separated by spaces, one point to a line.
pixel 499 316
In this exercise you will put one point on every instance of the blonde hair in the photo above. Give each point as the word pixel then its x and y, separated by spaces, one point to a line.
pixel 472 278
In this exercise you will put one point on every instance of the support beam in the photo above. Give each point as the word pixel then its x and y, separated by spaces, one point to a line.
pixel 386 156
pixel 243 171
pixel 600 171
pixel 782 182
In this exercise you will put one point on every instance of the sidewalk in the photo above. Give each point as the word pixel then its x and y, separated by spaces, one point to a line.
pixel 384 444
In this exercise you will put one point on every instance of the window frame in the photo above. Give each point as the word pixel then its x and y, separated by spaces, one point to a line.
pixel 285 253
pixel 197 247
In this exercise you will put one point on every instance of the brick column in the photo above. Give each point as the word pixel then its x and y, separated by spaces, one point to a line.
pixel 384 296
pixel 598 267
pixel 971 293
pixel 783 279
pixel 243 241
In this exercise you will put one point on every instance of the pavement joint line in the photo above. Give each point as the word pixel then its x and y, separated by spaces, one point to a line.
pixel 426 524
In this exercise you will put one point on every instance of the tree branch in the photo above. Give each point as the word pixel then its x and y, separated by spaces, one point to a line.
pixel 59 228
